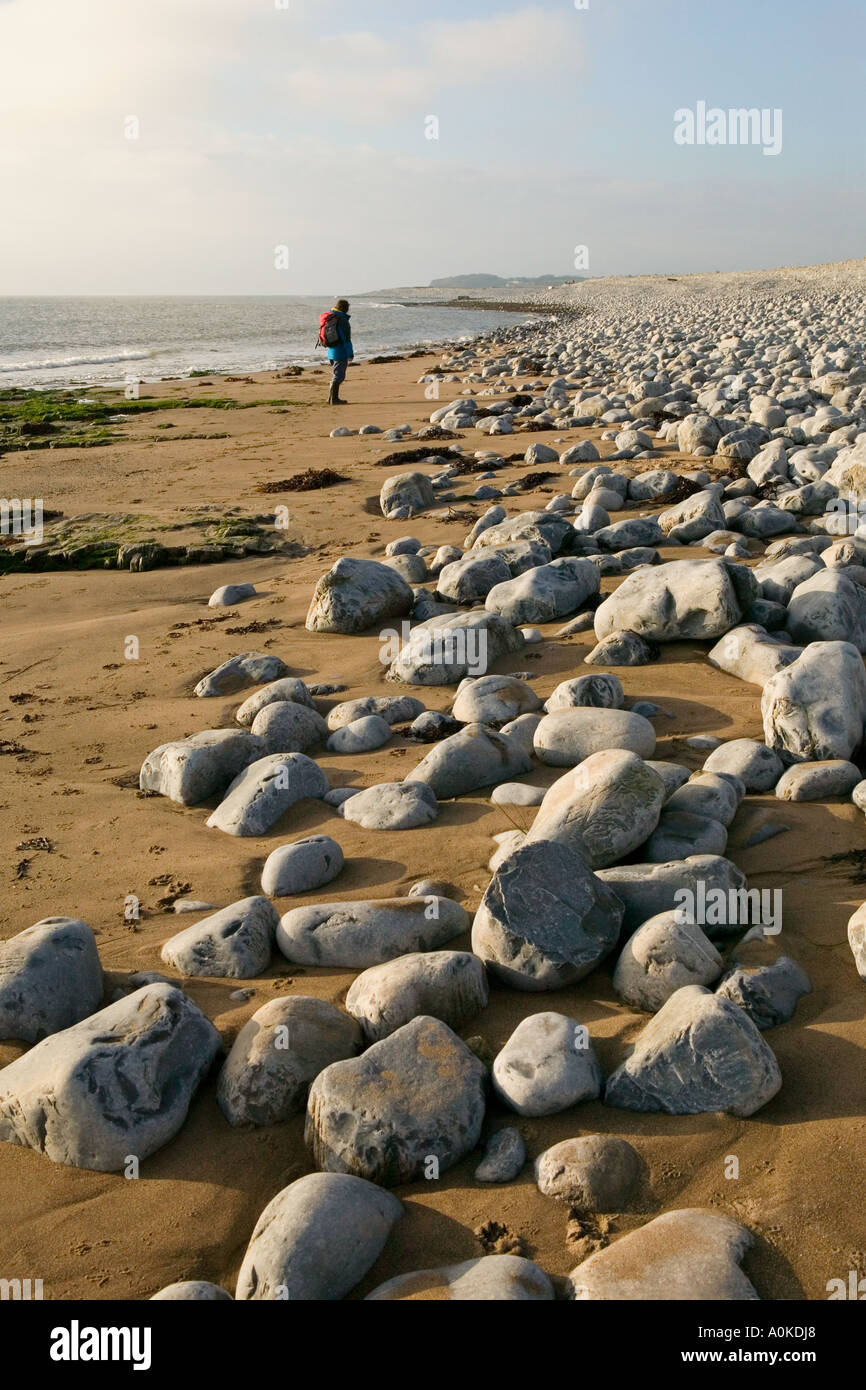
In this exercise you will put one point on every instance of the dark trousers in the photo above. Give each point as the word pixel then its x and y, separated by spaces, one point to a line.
pixel 339 371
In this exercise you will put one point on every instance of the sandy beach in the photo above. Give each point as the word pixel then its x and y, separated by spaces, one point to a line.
pixel 78 718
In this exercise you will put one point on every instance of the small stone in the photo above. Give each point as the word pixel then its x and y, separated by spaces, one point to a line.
pixel 231 594
pixel 302 866
pixel 595 1173
pixel 504 1156
pixel 517 794
pixel 361 736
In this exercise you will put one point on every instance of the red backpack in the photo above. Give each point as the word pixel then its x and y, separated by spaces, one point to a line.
pixel 329 329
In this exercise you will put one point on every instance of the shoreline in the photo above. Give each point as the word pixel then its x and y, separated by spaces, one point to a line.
pixel 80 716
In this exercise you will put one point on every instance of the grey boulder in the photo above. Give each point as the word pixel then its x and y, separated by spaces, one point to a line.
pixel 449 985
pixel 596 1172
pixel 356 595
pixel 568 736
pixel 193 769
pixel 490 1279
pixel 116 1085
pixel 285 727
pixel 278 1053
pixel 391 806
pixel 234 943
pixel 302 866
pixel 663 955
pixel 545 920
pixel 603 808
pixel 547 1065
pixel 681 600
pixel 475 757
pixel 756 765
pixel 359 934
pixel 699 1054
pixel 266 789
pixel 317 1239
pixel 50 978
pixel 412 1104
pixel 815 709
pixel 251 668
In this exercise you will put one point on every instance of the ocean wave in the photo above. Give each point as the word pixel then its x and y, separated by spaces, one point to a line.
pixel 48 364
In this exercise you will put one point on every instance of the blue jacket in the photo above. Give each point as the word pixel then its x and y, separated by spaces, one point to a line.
pixel 344 350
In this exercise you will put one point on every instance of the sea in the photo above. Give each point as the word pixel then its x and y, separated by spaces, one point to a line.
pixel 107 341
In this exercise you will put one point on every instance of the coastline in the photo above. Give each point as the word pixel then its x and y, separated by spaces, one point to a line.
pixel 79 718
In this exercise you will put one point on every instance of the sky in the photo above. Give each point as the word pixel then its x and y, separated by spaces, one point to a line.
pixel 281 146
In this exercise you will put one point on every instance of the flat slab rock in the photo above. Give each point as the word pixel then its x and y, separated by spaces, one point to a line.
pixel 493 1278
pixel 698 1055
pixel 414 1099
pixel 50 978
pixel 691 1255
pixel 117 1084
pixel 235 943
pixel 317 1239
pixel 360 934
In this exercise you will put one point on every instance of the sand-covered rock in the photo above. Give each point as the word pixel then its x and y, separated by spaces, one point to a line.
pixel 596 1172
pixel 493 1278
pixel 688 1255
pixel 494 700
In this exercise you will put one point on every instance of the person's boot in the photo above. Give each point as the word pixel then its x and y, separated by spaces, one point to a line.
pixel 334 397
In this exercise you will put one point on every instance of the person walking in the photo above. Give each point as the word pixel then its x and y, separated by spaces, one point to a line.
pixel 335 333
